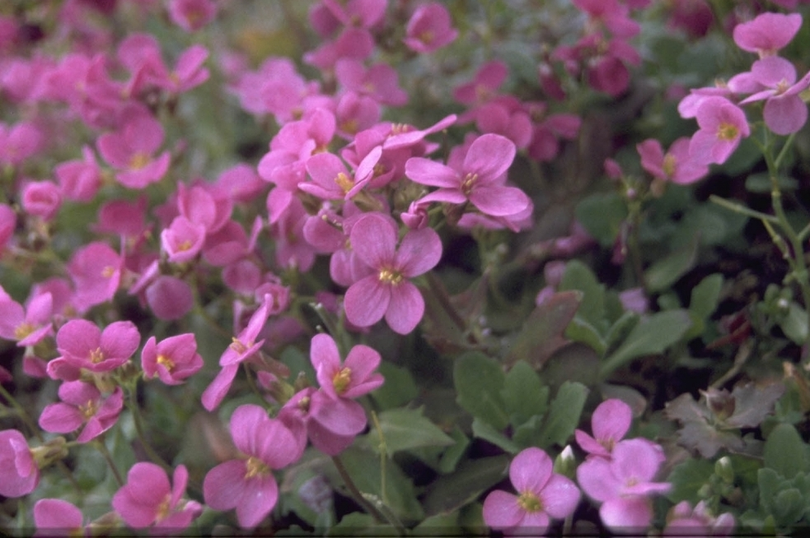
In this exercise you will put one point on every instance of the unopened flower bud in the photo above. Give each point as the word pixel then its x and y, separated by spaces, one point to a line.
pixel 52 451
pixel 724 469
pixel 566 463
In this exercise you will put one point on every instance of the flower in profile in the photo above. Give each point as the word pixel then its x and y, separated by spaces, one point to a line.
pixel 82 404
pixel 722 126
pixel 247 483
pixel 19 474
pixel 387 291
pixel 623 483
pixel 542 495
pixel 429 29
pixel 149 500
pixel 676 165
pixel 173 359
pixel 767 33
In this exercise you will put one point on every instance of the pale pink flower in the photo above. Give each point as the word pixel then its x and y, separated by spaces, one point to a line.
pixel 19 474
pixel 785 111
pixel 675 165
pixel 41 199
pixel 191 15
pixel 331 180
pixel 722 126
pixel 247 483
pixel 429 28
pixel 682 520
pixel 387 291
pixel 96 273
pixel 27 325
pixel 484 85
pixel 609 423
pixel 378 81
pixel 542 495
pixel 623 483
pixel 173 359
pixel 83 345
pixel 149 500
pixel 82 405
pixel 767 33
pixel 79 179
pixel 351 378
pixel 131 149
pixel 183 240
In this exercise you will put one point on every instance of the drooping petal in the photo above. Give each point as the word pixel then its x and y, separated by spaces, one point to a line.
pixel 405 309
pixel 366 301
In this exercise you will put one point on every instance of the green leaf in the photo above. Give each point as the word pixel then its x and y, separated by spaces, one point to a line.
pixel 579 276
pixel 665 272
pixel 602 215
pixel 579 330
pixel 706 295
pixel 451 457
pixel 450 492
pixel 406 429
pixel 524 393
pixel 479 381
pixel 399 387
pixel 620 329
pixel 564 413
pixel 788 507
pixel 785 452
pixel 529 433
pixel 484 431
pixel 795 324
pixel 688 478
pixel 650 337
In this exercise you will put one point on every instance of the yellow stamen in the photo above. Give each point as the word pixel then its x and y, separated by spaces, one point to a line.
pixel 96 356
pixel 669 165
pixel 23 330
pixel 89 409
pixel 138 161
pixel 727 131
pixel 468 182
pixel 341 380
pixel 343 181
pixel 389 276
pixel 166 362
pixel 530 502
pixel 255 467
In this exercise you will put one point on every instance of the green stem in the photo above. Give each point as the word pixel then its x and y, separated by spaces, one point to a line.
pixel 23 414
pixel 359 497
pixel 102 448
pixel 738 208
pixel 136 416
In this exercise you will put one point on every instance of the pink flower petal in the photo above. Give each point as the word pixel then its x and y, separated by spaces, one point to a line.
pixel 405 309
pixel 366 301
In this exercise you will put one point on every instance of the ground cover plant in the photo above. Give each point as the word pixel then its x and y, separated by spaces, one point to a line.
pixel 401 267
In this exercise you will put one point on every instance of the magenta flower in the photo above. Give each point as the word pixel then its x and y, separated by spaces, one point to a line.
pixel 183 240
pixel 19 474
pixel 484 85
pixel 767 33
pixel 79 179
pixel 610 422
pixel 351 379
pixel 785 112
pixel 28 325
pixel 480 179
pixel 55 515
pixel 191 15
pixel 676 165
pixel 169 297
pixel 173 359
pixel 130 151
pixel 722 126
pixel 388 292
pixel 682 520
pixel 247 483
pixel 330 179
pixel 82 404
pixel 623 483
pixel 96 273
pixel 8 222
pixel 148 500
pixel 42 199
pixel 430 28
pixel 542 495
pixel 378 81
pixel 84 346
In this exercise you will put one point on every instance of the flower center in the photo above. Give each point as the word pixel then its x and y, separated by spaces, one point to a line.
pixel 342 379
pixel 184 246
pixel 138 161
pixel 389 276
pixel 343 181
pixel 89 409
pixel 727 132
pixel 96 356
pixel 238 346
pixel 108 271
pixel 256 467
pixel 782 87
pixel 669 164
pixel 427 37
pixel 166 362
pixel 530 502
pixel 22 330
pixel 163 508
pixel 468 182
pixel 303 404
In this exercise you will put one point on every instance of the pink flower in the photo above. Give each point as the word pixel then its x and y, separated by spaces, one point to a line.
pixel 378 81
pixel 169 297
pixel 173 359
pixel 19 474
pixel 191 15
pixel 183 240
pixel 767 33
pixel 84 346
pixel 785 111
pixel 42 199
pixel 96 273
pixel 331 181
pixel 682 520
pixel 247 483
pixel 55 515
pixel 483 87
pixel 130 151
pixel 722 126
pixel 429 29
pixel 479 179
pixel 8 222
pixel 79 179
pixel 82 404
pixel 388 292
pixel 351 379
pixel 610 422
pixel 148 500
pixel 542 495
pixel 623 483
pixel 676 165
pixel 28 325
